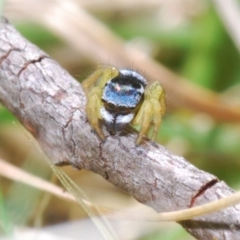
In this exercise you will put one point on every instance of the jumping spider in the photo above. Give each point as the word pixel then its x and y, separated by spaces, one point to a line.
pixel 118 97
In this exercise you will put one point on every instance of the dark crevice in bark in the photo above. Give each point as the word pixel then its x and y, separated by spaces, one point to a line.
pixel 31 62
pixel 202 190
pixel 5 56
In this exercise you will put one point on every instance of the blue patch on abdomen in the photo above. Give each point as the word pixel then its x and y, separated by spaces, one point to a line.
pixel 121 95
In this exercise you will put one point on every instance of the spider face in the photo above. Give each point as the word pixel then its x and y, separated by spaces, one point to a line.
pixel 121 96
pixel 118 97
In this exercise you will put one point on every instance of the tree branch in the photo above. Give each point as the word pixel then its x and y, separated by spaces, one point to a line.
pixel 51 105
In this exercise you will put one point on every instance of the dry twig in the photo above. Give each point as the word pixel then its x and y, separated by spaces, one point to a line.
pixel 230 14
pixel 9 171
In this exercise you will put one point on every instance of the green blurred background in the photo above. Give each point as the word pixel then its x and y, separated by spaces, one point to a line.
pixel 187 37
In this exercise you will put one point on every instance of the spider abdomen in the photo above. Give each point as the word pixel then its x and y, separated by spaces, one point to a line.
pixel 121 96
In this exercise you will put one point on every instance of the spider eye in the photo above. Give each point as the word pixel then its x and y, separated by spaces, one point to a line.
pixel 117 109
pixel 110 106
pixel 124 109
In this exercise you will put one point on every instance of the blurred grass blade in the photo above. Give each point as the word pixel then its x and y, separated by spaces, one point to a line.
pixel 1 6
pixel 5 225
pixel 103 225
pixel 20 207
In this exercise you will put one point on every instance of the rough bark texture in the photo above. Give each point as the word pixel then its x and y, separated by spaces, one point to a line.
pixel 50 104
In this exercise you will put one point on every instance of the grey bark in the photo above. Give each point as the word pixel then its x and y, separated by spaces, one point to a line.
pixel 51 105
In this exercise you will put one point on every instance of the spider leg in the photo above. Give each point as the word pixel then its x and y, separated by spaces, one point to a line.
pixel 142 118
pixel 157 118
pixel 93 107
pixel 93 87
pixel 151 112
pixel 156 96
pixel 102 74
